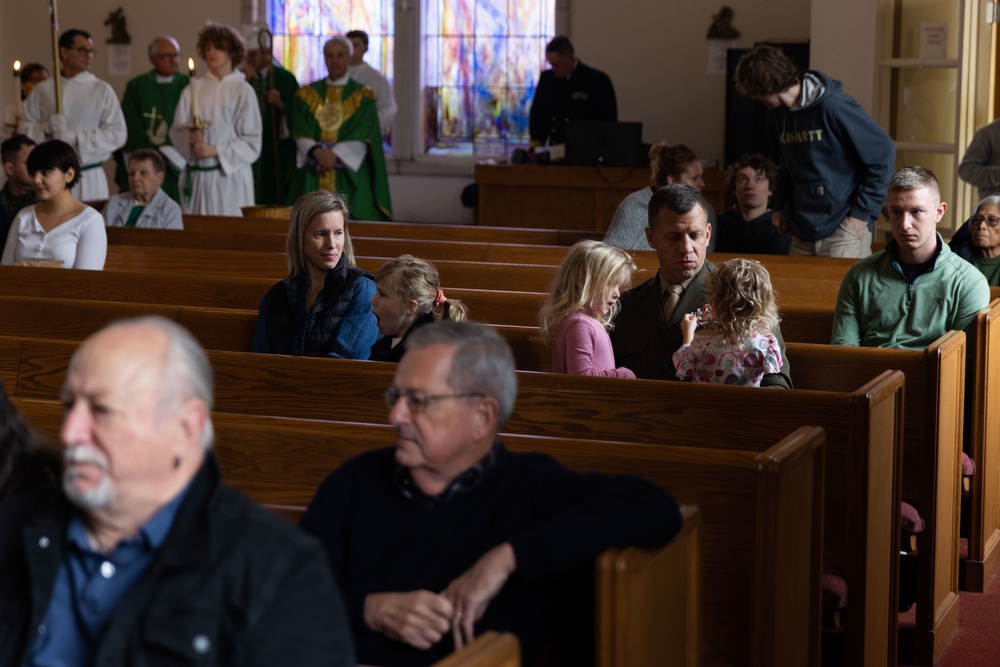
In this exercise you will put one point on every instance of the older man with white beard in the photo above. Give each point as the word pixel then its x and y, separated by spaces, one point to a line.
pixel 144 556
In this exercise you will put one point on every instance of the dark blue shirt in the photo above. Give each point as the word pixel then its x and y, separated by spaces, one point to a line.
pixel 90 585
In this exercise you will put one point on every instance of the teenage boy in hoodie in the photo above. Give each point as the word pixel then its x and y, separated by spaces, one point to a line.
pixel 835 161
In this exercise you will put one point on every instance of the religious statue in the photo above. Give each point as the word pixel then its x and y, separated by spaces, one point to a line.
pixel 119 34
pixel 722 27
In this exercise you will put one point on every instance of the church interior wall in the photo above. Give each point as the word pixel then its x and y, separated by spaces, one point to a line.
pixel 656 54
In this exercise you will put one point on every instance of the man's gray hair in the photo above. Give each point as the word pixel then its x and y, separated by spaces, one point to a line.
pixel 187 373
pixel 483 361
pixel 340 39
pixel 151 49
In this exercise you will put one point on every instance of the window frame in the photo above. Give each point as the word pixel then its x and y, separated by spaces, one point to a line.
pixel 407 155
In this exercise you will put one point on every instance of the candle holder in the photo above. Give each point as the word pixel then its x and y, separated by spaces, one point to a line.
pixel 198 124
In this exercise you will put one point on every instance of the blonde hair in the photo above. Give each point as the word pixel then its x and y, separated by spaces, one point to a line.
pixel 305 208
pixel 742 299
pixel 413 279
pixel 590 271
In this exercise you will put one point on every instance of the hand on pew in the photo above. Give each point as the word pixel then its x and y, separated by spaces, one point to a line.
pixel 417 618
pixel 472 591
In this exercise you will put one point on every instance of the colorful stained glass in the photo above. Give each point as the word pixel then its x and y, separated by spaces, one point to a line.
pixel 302 26
pixel 480 60
pixel 481 63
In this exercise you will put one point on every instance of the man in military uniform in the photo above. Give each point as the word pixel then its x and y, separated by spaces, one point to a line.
pixel 569 91
pixel 148 106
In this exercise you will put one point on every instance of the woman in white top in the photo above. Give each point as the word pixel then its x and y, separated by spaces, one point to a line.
pixel 59 229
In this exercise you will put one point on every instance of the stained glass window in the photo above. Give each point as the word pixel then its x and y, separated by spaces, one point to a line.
pixel 301 27
pixel 480 61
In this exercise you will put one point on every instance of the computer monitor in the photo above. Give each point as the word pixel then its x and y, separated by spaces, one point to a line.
pixel 603 144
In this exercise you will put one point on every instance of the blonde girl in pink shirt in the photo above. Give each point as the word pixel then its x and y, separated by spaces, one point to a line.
pixel 582 302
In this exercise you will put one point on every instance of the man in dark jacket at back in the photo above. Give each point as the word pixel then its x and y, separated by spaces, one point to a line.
pixel 569 91
pixel 144 557
pixel 835 161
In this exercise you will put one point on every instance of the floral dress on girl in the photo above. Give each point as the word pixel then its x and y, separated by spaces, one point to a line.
pixel 716 359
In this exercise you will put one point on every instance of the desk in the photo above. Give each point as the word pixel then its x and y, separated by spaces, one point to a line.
pixel 555 197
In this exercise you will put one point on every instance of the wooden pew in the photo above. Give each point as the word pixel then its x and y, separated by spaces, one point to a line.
pixel 491 306
pixel 71 319
pixel 935 380
pixel 469 251
pixel 800 281
pixel 489 649
pixel 755 500
pixel 983 410
pixel 864 431
pixel 273 266
pixel 399 230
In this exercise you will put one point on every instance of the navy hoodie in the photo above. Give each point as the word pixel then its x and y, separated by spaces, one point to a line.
pixel 834 161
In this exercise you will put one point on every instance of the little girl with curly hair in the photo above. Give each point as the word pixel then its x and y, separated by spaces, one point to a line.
pixel 736 345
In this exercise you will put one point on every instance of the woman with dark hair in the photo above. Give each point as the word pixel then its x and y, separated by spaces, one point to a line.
pixel 978 240
pixel 668 164
pixel 218 179
pixel 59 230
pixel 24 462
pixel 323 308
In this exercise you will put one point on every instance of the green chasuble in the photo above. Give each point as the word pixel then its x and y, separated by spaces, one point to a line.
pixel 149 109
pixel 272 175
pixel 329 114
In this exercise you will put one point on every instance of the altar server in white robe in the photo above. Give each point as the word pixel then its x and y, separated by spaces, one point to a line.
pixel 218 177
pixel 91 121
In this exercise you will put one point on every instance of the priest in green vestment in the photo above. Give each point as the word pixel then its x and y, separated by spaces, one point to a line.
pixel 148 106
pixel 338 140
pixel 275 87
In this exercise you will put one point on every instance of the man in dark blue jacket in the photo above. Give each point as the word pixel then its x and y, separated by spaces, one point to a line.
pixel 144 557
pixel 835 161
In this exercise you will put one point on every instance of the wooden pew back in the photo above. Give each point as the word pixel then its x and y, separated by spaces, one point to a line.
pixel 863 439
pixel 935 381
pixel 770 502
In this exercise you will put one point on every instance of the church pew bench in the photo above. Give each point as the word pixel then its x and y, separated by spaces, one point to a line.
pixel 983 410
pixel 745 498
pixel 274 267
pixel 832 269
pixel 935 384
pixel 73 319
pixel 490 649
pixel 864 431
pixel 469 251
pixel 399 230
pixel 491 306
pixel 804 281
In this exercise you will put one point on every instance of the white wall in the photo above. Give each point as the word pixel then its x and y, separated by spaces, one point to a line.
pixel 850 60
pixel 656 54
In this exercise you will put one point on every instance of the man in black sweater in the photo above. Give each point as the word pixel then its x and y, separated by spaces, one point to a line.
pixel 449 534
